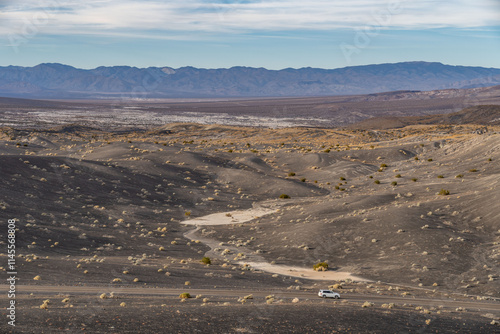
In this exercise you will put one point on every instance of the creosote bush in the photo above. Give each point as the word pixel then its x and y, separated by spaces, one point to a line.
pixel 414 179
pixel 444 192
pixel 206 260
pixel 394 183
pixel 303 179
pixel 284 196
pixel 383 165
pixel 184 295
pixel 291 174
pixel 376 181
pixel 320 266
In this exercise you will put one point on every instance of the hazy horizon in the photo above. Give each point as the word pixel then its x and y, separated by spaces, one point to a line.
pixel 244 66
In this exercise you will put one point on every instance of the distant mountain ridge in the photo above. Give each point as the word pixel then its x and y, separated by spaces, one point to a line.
pixel 52 80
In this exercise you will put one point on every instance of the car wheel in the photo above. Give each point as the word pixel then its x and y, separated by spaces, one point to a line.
pixel 323 296
pixel 337 297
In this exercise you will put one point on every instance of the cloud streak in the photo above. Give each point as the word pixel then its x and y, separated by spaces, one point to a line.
pixel 198 17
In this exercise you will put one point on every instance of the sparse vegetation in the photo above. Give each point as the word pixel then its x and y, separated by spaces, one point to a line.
pixel 185 295
pixel 144 239
pixel 320 266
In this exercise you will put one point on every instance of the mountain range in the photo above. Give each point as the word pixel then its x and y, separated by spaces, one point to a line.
pixel 58 81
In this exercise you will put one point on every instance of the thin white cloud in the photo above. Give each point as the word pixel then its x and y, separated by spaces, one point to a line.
pixel 128 17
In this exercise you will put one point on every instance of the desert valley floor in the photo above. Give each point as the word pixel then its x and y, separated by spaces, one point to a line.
pixel 112 228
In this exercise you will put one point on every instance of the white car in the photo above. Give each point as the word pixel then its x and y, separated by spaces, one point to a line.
pixel 328 294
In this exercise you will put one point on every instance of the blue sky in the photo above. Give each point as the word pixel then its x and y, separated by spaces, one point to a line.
pixel 274 34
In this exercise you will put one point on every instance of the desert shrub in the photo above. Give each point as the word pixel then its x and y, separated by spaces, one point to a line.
pixel 429 160
pixel 327 150
pixel 383 165
pixel 284 196
pixel 416 158
pixel 394 183
pixel 303 179
pixel 184 295
pixel 376 181
pixel 322 265
pixel 444 192
pixel 342 178
pixel 206 260
pixel 187 213
pixel 472 170
pixel 414 179
pixel 440 177
pixel 490 159
pixel 371 176
pixel 459 176
pixel 380 170
pixel 337 187
pixel 342 189
pixel 397 176
pixel 291 174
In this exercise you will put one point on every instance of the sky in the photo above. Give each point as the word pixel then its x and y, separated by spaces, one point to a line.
pixel 274 34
